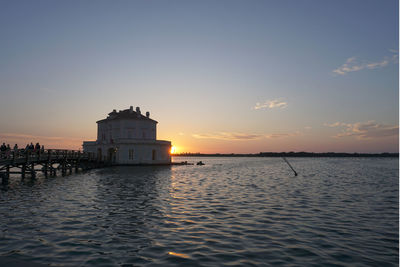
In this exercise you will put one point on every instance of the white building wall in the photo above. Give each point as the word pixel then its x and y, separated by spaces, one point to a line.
pixel 143 153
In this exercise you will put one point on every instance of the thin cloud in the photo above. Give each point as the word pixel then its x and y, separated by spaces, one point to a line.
pixel 353 64
pixel 336 124
pixel 282 135
pixel 243 136
pixel 365 130
pixel 276 103
pixel 229 136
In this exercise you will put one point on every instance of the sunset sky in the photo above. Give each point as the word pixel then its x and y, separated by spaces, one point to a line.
pixel 218 76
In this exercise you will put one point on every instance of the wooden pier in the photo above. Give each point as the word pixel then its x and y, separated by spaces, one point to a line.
pixel 48 162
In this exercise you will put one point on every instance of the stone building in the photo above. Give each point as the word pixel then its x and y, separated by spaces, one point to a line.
pixel 127 137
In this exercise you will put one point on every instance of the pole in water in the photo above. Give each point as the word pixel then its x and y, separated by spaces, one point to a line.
pixel 295 173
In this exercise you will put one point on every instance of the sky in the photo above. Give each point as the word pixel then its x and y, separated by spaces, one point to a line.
pixel 223 76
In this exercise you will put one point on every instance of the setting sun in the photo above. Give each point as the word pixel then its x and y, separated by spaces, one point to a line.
pixel 173 150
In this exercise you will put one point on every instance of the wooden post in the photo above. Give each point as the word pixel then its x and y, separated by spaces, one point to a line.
pixel 77 161
pixel 33 173
pixel 7 171
pixel 63 163
pixel 23 169
pixel 45 168
pixel 48 163
pixel 54 170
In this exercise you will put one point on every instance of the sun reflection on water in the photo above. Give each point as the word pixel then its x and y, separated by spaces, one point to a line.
pixel 181 255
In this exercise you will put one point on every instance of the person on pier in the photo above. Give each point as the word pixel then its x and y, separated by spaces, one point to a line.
pixel 3 149
pixel 8 150
pixel 15 150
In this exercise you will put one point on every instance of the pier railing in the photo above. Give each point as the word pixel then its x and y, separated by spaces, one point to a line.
pixel 49 161
pixel 21 155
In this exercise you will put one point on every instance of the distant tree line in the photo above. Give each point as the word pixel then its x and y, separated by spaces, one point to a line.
pixel 291 154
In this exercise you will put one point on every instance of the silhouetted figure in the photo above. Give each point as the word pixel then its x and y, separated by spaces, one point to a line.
pixel 15 150
pixel 37 148
pixel 8 150
pixel 31 146
pixel 42 149
pixel 200 163
pixel 3 147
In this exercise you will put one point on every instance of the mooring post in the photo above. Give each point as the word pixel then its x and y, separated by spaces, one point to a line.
pixel 295 173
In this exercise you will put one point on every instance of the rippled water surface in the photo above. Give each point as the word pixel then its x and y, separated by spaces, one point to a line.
pixel 232 211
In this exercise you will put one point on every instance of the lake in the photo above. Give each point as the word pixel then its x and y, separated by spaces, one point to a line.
pixel 231 211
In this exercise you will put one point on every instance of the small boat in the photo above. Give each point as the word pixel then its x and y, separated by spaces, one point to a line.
pixel 200 163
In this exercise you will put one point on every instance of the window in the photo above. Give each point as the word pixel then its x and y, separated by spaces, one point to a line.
pixel 130 153
pixel 154 155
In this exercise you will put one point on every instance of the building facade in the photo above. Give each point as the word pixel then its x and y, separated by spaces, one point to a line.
pixel 127 137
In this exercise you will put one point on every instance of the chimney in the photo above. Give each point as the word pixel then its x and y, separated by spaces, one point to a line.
pixel 148 114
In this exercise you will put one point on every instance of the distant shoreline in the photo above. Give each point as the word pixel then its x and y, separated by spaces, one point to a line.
pixel 293 154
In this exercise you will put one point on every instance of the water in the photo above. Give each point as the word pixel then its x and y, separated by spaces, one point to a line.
pixel 232 211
